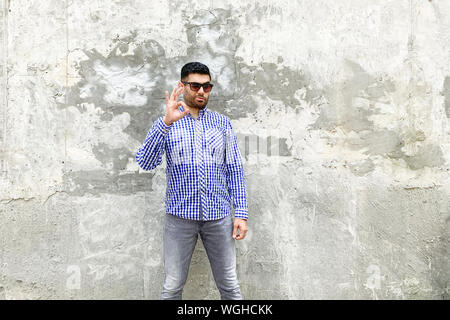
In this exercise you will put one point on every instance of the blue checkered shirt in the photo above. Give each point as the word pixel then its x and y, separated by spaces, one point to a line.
pixel 204 166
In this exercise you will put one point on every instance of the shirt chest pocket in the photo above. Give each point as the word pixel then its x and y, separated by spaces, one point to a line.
pixel 179 148
pixel 215 144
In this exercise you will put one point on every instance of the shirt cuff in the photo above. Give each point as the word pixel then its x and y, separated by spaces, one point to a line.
pixel 162 127
pixel 241 214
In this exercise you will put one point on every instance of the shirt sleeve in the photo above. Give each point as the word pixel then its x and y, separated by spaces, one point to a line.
pixel 235 174
pixel 149 155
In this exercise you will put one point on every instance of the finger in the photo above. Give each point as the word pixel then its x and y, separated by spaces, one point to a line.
pixel 186 111
pixel 167 97
pixel 235 231
pixel 241 234
pixel 172 96
pixel 178 92
pixel 242 228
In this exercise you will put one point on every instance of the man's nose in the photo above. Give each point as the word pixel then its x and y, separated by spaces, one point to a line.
pixel 201 90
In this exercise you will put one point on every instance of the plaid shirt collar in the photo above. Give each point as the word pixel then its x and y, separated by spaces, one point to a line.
pixel 201 112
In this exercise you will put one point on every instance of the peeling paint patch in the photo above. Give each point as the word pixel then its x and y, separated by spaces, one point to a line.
pixel 351 107
pixel 363 167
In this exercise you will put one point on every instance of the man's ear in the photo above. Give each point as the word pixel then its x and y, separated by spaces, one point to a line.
pixel 180 84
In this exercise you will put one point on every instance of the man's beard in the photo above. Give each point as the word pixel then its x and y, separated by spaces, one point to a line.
pixel 193 103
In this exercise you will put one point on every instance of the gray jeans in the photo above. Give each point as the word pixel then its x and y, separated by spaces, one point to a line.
pixel 180 238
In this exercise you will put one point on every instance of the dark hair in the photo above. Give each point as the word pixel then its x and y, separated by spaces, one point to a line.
pixel 194 67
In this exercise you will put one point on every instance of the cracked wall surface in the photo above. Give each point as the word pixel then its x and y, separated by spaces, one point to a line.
pixel 342 114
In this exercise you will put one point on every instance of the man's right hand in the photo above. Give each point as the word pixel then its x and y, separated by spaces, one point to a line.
pixel 172 112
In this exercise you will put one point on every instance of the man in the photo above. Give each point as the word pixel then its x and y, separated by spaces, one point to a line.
pixel 204 175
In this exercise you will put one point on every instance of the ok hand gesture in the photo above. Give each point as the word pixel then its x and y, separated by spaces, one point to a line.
pixel 172 112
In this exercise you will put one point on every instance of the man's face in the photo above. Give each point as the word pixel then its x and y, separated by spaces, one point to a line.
pixel 197 99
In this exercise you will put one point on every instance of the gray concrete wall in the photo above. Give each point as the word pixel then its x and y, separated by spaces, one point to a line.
pixel 341 108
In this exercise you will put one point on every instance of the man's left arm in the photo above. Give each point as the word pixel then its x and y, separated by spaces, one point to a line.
pixel 236 183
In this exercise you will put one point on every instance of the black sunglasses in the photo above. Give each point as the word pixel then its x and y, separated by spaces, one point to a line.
pixel 195 86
